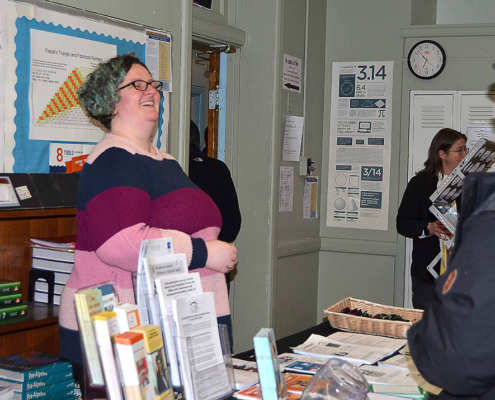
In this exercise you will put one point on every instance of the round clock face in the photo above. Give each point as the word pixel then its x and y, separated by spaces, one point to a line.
pixel 426 59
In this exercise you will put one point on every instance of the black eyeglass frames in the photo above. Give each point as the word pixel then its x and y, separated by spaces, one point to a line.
pixel 143 85
pixel 462 151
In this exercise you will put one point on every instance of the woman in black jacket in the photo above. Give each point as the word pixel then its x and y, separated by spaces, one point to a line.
pixel 414 220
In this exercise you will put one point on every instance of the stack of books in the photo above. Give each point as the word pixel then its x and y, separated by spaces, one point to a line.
pixel 11 300
pixel 53 254
pixel 35 375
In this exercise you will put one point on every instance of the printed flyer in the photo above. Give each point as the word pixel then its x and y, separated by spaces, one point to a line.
pixel 359 151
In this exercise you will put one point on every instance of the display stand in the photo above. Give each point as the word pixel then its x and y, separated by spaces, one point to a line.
pixel 193 382
pixel 95 380
pixel 215 382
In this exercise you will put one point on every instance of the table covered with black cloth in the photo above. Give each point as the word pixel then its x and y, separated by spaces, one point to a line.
pixel 284 345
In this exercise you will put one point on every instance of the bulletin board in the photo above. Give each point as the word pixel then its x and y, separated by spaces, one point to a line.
pixel 49 56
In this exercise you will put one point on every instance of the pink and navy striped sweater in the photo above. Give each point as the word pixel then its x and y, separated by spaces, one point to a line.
pixel 126 195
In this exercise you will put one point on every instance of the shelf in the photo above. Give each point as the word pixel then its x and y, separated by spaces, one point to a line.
pixel 38 330
pixel 38 315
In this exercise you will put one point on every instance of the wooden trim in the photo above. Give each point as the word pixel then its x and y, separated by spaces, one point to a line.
pixel 37 213
pixel 213 113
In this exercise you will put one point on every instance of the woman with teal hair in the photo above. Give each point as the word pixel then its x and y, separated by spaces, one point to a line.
pixel 129 191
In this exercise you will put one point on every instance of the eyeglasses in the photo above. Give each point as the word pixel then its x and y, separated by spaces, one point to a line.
pixel 461 151
pixel 143 85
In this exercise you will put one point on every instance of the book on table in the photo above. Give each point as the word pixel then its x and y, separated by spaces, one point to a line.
pixel 67 242
pixel 10 300
pixel 9 287
pixel 16 311
pixel 6 392
pixel 39 383
pixel 32 365
pixel 52 254
pixel 60 390
pixel 34 375
pixel 52 265
pixel 271 380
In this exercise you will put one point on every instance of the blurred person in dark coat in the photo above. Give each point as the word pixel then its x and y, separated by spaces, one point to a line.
pixel 213 177
pixel 452 345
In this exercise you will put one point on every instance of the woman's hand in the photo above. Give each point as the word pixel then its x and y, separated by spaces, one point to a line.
pixel 438 229
pixel 222 256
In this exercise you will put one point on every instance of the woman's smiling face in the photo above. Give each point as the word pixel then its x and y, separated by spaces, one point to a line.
pixel 136 104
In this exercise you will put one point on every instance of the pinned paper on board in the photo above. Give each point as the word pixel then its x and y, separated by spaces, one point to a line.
pixel 67 157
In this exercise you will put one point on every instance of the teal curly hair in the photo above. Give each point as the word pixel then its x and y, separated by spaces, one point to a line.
pixel 99 93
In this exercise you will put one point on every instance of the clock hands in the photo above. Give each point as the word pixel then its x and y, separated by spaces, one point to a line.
pixel 426 60
pixel 431 64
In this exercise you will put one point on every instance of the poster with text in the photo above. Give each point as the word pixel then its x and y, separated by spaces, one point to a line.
pixel 49 56
pixel 59 66
pixel 359 151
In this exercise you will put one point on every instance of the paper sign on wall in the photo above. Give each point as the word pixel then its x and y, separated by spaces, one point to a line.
pixel 292 73
pixel 286 189
pixel 292 138
pixel 359 152
pixel 159 57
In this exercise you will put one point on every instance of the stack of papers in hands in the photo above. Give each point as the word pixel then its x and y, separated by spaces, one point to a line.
pixel 320 346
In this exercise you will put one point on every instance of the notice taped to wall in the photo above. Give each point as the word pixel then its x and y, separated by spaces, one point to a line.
pixel 359 151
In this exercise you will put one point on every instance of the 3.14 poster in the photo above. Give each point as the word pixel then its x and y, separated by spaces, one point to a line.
pixel 359 151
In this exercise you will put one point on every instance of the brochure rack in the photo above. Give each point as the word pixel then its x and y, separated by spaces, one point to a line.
pixel 192 380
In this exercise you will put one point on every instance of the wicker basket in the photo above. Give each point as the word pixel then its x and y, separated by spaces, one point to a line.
pixel 381 327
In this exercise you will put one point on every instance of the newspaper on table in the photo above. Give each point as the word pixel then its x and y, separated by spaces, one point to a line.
pixel 395 376
pixel 399 361
pixel 320 346
pixel 362 339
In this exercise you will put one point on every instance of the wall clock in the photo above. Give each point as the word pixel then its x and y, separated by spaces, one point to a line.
pixel 426 59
